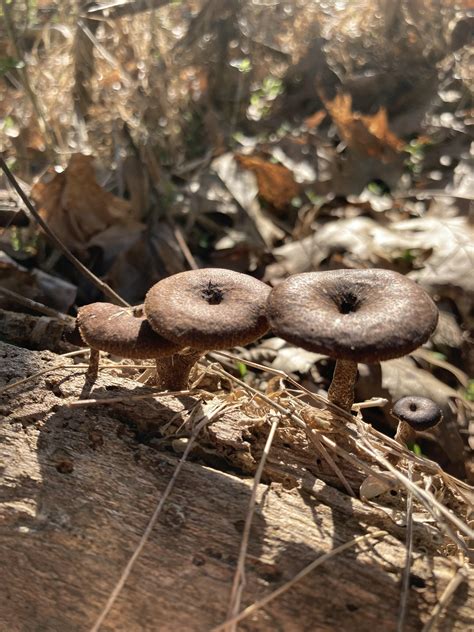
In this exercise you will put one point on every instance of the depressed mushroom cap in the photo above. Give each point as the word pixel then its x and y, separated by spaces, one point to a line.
pixel 420 413
pixel 209 308
pixel 122 331
pixel 359 315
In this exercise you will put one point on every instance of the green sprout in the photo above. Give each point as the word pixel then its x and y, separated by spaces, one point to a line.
pixel 241 368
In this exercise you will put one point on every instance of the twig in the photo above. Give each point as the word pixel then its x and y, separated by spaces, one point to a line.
pixel 456 580
pixel 409 551
pixel 34 305
pixel 178 235
pixel 279 591
pixel 239 577
pixel 103 287
pixel 206 418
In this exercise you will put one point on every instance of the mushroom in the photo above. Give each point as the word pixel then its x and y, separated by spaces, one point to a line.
pixel 415 414
pixel 204 309
pixel 122 331
pixel 352 316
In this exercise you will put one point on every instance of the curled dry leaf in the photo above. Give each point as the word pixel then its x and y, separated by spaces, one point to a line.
pixel 276 184
pixel 243 186
pixel 360 238
pixel 364 133
pixel 77 208
pixel 451 241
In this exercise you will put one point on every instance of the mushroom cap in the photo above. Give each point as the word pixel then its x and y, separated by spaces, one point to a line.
pixel 209 308
pixel 359 315
pixel 122 331
pixel 420 413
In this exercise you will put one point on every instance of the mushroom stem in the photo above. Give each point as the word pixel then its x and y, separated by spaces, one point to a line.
pixel 172 372
pixel 405 435
pixel 341 391
pixel 93 368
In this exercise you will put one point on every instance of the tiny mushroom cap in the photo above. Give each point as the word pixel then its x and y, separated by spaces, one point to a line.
pixel 122 331
pixel 210 308
pixel 420 413
pixel 359 315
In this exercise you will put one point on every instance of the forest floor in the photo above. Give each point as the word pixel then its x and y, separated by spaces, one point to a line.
pixel 269 138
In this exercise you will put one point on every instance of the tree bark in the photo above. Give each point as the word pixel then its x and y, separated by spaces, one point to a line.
pixel 80 484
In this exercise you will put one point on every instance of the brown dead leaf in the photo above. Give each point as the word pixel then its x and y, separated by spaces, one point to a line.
pixel 366 134
pixel 276 184
pixel 75 207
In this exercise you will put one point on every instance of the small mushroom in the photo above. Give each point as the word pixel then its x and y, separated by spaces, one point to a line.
pixel 352 316
pixel 122 331
pixel 201 310
pixel 415 414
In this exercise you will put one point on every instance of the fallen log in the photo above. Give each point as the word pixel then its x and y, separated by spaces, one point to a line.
pixel 79 485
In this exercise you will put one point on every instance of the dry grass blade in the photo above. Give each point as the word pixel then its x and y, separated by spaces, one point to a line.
pixel 288 413
pixel 458 578
pixel 409 551
pixel 239 577
pixel 33 376
pixel 71 367
pixel 103 287
pixel 433 506
pixel 126 398
pixel 206 418
pixel 279 591
pixel 322 401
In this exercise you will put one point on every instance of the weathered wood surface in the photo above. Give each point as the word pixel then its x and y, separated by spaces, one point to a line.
pixel 77 491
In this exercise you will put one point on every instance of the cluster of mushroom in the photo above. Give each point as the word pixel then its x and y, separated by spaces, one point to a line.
pixel 183 316
pixel 350 315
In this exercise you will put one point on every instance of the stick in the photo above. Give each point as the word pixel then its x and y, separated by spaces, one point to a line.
pixel 103 287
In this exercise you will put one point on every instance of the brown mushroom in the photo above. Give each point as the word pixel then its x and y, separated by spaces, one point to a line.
pixel 205 309
pixel 119 330
pixel 352 316
pixel 415 414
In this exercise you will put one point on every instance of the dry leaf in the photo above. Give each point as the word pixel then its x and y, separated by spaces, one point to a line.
pixel 366 134
pixel 242 185
pixel 451 240
pixel 75 207
pixel 276 184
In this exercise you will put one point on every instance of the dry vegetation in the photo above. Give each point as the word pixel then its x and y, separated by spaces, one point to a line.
pixel 271 138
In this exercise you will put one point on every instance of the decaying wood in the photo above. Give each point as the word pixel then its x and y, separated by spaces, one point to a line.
pixel 34 332
pixel 80 484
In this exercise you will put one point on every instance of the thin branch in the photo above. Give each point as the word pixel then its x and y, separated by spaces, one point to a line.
pixel 103 287
pixel 35 305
